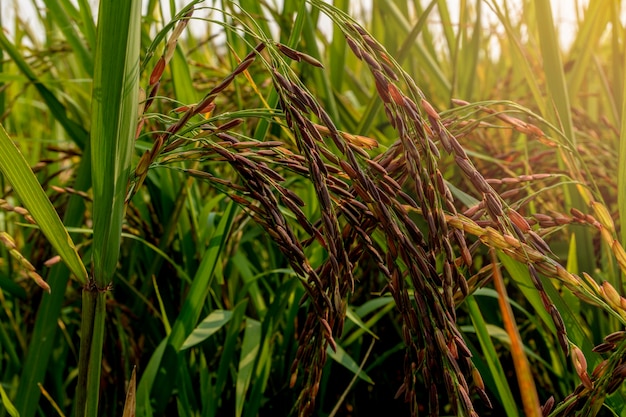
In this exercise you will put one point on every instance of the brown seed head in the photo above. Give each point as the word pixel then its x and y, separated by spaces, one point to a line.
pixel 157 72
pixel 611 295
pixel 604 347
pixel 615 337
pixel 580 366
pixel 518 220
pixel 547 406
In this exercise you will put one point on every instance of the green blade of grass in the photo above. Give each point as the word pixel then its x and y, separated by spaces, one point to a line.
pixel 337 58
pixel 491 357
pixel 519 56
pixel 209 326
pixel 344 359
pixel 90 357
pixel 249 352
pixel 559 98
pixel 446 22
pixel 8 405
pixel 185 400
pixel 116 90
pixel 245 268
pixel 321 77
pixel 186 93
pixel 16 170
pixel 291 291
pixel 617 65
pixel 431 63
pixel 553 68
pixel 227 357
pixel 467 56
pixel 262 128
pixel 585 44
pixel 3 94
pixel 521 277
pixel 255 8
pixel 9 345
pixel 87 23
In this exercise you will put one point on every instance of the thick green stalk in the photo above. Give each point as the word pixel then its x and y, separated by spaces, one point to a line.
pixel 114 115
pixel 83 402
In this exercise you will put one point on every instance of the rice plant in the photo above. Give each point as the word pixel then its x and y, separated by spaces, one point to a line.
pixel 266 217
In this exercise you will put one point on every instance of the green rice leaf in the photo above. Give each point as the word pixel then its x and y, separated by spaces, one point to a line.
pixel 8 405
pixel 341 357
pixel 23 180
pixel 249 352
pixel 491 357
pixel 114 112
pixel 228 353
pixel 209 326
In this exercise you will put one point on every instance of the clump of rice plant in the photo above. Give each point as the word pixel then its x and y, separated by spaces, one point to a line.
pixel 266 222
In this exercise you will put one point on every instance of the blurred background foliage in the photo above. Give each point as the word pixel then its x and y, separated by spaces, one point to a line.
pixel 205 301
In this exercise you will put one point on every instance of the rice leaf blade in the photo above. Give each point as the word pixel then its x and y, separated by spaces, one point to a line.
pixel 18 173
pixel 209 326
pixel 115 102
pixel 8 405
pixel 491 357
pixel 249 353
pixel 344 359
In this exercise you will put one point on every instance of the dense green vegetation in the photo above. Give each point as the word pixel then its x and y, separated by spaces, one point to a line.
pixel 261 216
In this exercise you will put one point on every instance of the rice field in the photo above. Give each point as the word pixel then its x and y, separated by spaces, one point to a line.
pixel 230 209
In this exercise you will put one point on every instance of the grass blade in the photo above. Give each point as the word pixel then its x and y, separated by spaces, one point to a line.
pixel 559 98
pixel 227 357
pixel 491 357
pixel 8 405
pixel 345 360
pixel 209 326
pixel 116 89
pixel 16 170
pixel 249 352
pixel 553 68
